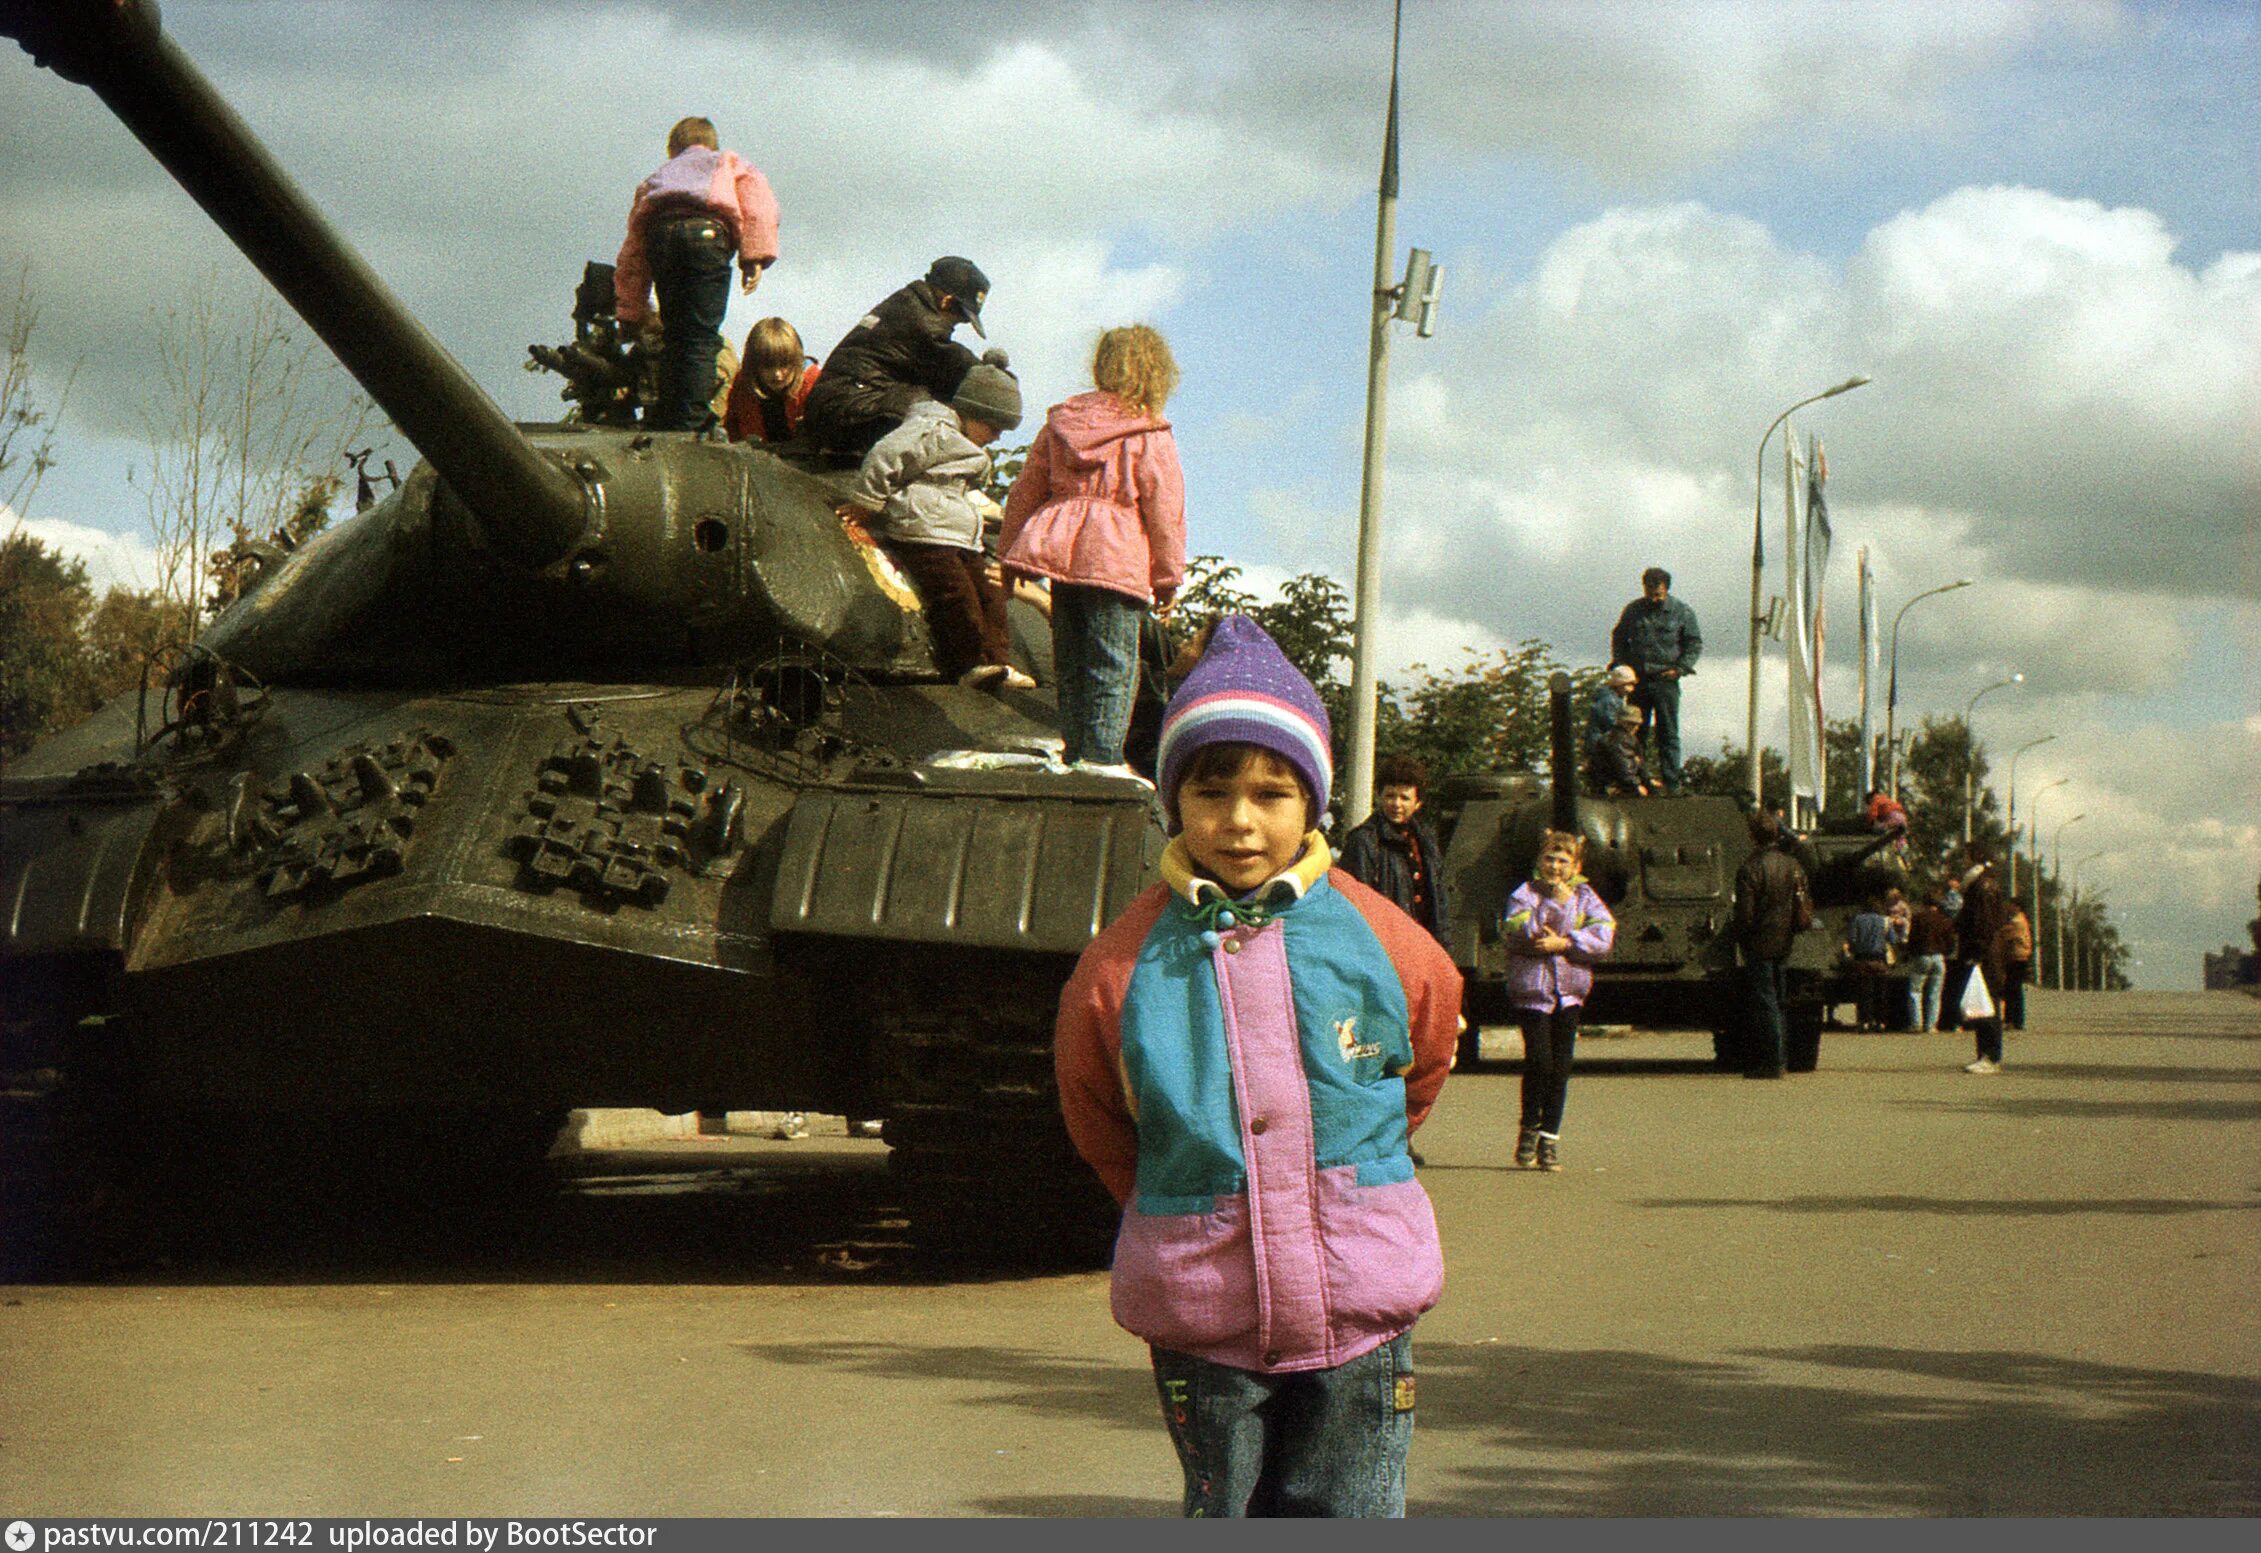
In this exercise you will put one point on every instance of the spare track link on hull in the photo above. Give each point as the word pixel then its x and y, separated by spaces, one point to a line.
pixel 981 1154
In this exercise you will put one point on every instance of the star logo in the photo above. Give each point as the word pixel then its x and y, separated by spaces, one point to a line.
pixel 19 1536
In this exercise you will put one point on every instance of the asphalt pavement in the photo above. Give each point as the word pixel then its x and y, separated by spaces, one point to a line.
pixel 1885 1288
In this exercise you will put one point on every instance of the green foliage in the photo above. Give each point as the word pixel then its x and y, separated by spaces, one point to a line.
pixel 44 680
pixel 1491 714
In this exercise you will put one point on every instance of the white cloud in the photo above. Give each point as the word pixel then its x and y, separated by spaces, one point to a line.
pixel 112 560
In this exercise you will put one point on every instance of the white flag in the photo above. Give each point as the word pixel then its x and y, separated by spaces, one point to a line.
pixel 1805 723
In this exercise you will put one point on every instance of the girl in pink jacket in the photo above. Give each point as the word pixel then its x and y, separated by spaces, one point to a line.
pixel 1099 510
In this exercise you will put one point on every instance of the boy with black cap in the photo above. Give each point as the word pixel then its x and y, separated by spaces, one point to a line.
pixel 1242 1057
pixel 920 480
pixel 898 354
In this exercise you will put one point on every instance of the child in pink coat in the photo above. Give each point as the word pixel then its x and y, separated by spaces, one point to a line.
pixel 1099 510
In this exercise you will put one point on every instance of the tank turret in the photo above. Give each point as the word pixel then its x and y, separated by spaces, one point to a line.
pixel 512 552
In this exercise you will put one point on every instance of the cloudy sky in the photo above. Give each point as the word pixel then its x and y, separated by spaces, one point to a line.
pixel 2036 225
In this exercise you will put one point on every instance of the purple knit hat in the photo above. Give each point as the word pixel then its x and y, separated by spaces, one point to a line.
pixel 1244 691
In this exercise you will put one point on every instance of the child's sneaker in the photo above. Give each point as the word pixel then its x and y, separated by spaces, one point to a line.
pixel 981 674
pixel 1016 680
pixel 1983 1065
pixel 1550 1152
pixel 1526 1148
pixel 791 1128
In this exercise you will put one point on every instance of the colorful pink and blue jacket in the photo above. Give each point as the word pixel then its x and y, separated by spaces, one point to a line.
pixel 1247 1093
pixel 1550 981
pixel 698 178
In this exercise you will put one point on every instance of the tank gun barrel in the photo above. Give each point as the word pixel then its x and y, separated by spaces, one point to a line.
pixel 529 505
pixel 1564 751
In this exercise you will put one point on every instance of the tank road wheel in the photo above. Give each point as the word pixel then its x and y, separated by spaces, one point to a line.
pixel 979 1151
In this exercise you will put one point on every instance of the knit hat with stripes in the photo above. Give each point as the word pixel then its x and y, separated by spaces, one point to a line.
pixel 1244 691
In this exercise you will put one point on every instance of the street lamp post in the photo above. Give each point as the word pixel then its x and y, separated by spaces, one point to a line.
pixel 2077 867
pixel 2033 867
pixel 1758 570
pixel 2013 819
pixel 1892 679
pixel 2057 867
pixel 1970 746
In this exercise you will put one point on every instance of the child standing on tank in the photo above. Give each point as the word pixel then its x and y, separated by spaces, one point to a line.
pixel 687 220
pixel 921 479
pixel 1554 928
pixel 1099 509
pixel 1243 1055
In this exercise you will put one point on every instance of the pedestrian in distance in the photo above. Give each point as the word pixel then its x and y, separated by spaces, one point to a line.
pixel 1099 510
pixel 898 354
pixel 1931 935
pixel 1554 928
pixel 1982 942
pixel 770 394
pixel 1772 907
pixel 2017 969
pixel 1658 637
pixel 1243 1056
pixel 1867 947
pixel 686 222
pixel 920 481
pixel 1395 851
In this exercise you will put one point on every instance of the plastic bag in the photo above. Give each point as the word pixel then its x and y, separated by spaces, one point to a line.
pixel 1977 1003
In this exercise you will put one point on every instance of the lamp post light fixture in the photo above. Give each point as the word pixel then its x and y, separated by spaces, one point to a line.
pixel 1970 746
pixel 2013 819
pixel 1892 679
pixel 1758 569
pixel 2057 867
pixel 2033 867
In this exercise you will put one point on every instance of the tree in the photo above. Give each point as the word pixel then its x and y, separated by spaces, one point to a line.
pixel 246 419
pixel 1492 714
pixel 45 681
pixel 27 426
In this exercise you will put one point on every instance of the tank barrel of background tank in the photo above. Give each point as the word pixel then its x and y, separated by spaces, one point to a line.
pixel 528 505
pixel 1565 752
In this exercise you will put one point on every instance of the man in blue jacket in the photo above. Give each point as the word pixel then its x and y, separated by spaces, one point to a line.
pixel 1657 635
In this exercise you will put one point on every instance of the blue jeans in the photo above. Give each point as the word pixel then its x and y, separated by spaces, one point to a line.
pixel 1659 701
pixel 690 258
pixel 1095 668
pixel 1926 974
pixel 1769 1046
pixel 1317 1442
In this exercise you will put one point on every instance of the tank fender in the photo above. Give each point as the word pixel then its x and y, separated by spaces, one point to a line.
pixel 968 867
pixel 75 867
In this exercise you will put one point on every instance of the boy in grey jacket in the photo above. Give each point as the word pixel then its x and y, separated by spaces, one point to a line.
pixel 921 481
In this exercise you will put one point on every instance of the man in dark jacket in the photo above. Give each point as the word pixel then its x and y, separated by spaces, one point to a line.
pixel 1981 942
pixel 897 354
pixel 1396 852
pixel 1658 636
pixel 1767 890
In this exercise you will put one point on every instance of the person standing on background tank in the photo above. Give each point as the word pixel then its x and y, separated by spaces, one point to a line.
pixel 1554 927
pixel 1609 700
pixel 898 354
pixel 1657 635
pixel 686 221
pixel 1099 510
pixel 1768 890
pixel 1396 852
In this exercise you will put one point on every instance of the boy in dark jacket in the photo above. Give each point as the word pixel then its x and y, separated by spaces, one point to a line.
pixel 897 354
pixel 1767 888
pixel 1396 852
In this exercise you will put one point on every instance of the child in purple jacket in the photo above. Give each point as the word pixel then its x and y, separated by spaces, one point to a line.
pixel 1553 929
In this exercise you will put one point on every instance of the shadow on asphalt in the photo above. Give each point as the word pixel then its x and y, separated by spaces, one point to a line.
pixel 1957 1207
pixel 2034 1107
pixel 1613 1433
pixel 754 1214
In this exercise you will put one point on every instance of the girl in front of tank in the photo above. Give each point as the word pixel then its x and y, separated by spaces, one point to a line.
pixel 1554 928
pixel 1099 510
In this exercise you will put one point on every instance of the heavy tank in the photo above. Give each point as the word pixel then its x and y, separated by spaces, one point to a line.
pixel 590 767
pixel 1666 867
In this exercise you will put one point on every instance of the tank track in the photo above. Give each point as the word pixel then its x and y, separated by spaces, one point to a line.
pixel 981 1156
